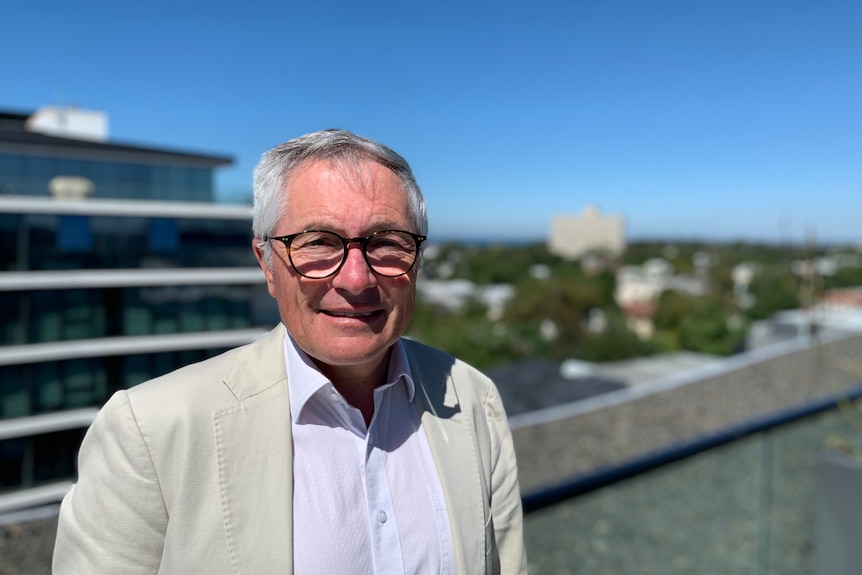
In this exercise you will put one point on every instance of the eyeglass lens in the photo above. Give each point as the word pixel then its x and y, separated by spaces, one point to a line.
pixel 319 254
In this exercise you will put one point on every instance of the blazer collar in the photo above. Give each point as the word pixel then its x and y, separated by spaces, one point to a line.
pixel 255 456
pixel 452 441
pixel 258 366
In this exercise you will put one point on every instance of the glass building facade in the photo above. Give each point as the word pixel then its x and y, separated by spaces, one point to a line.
pixel 77 307
pixel 42 316
pixel 75 241
pixel 53 386
pixel 133 274
pixel 35 460
pixel 22 174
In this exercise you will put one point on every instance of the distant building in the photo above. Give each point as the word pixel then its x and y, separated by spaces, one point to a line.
pixel 573 237
pixel 116 266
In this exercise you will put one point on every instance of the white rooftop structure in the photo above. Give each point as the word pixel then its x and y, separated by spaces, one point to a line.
pixel 70 122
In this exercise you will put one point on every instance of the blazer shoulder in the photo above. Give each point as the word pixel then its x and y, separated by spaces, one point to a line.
pixel 220 380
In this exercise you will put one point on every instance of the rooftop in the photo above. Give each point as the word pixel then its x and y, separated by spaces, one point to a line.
pixel 17 136
pixel 536 384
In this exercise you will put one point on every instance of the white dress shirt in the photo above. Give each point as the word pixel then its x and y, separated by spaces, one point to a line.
pixel 365 500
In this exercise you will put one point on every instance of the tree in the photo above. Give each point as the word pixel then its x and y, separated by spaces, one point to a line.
pixel 616 342
pixel 563 302
pixel 843 278
pixel 773 292
pixel 705 329
pixel 696 323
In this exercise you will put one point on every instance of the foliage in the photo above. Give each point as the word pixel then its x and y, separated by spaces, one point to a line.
pixel 469 336
pixel 564 303
pixel 699 323
pixel 773 292
pixel 844 278
pixel 617 342
pixel 554 298
pixel 707 330
pixel 673 307
pixel 497 263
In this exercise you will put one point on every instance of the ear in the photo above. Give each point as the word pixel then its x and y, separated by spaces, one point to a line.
pixel 267 272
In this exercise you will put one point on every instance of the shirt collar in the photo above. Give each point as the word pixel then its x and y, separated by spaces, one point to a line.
pixel 304 379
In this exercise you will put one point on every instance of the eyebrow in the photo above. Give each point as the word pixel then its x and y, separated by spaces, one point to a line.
pixel 380 226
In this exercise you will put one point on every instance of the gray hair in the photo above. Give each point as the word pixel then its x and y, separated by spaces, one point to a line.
pixel 278 164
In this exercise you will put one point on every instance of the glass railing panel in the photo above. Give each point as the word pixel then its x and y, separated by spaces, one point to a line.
pixel 797 451
pixel 748 507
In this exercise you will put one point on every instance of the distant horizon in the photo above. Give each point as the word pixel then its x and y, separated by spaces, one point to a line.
pixel 855 245
pixel 525 236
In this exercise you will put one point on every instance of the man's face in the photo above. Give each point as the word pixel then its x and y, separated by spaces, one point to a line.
pixel 353 317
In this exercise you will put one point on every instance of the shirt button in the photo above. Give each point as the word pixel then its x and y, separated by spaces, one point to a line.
pixel 381 516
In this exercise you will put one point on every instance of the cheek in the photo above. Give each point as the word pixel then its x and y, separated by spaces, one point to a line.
pixel 405 296
pixel 286 291
pixel 278 284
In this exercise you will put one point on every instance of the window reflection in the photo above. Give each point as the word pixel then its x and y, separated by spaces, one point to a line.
pixel 51 242
pixel 73 234
pixel 52 386
pixel 29 175
pixel 42 316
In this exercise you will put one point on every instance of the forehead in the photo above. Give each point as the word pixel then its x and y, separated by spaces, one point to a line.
pixel 345 195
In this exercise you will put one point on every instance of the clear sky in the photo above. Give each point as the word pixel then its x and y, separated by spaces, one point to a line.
pixel 715 119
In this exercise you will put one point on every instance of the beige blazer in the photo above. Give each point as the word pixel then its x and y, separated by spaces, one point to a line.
pixel 191 472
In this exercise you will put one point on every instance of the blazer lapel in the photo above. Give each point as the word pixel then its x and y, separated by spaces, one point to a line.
pixel 458 466
pixel 255 455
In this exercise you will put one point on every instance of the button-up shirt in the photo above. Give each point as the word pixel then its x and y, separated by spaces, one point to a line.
pixel 365 499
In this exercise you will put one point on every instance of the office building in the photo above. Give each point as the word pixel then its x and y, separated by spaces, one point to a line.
pixel 117 266
pixel 573 237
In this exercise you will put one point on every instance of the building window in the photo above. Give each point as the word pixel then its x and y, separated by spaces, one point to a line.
pixel 163 236
pixel 38 459
pixel 73 234
pixel 52 386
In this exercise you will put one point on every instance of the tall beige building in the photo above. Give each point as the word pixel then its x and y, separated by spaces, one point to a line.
pixel 572 237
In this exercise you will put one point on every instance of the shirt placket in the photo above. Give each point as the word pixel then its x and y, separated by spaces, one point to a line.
pixel 385 541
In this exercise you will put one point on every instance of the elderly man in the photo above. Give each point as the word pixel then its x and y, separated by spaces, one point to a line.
pixel 330 445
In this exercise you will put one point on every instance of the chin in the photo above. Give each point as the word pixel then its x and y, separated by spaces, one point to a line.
pixel 354 355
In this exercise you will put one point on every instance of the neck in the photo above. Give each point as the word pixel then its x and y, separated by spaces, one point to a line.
pixel 358 382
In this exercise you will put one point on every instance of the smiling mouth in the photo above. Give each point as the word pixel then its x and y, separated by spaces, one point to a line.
pixel 351 314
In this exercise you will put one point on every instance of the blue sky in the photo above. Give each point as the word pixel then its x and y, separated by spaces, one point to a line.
pixel 723 119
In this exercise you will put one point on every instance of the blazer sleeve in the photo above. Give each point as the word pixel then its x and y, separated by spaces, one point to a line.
pixel 506 511
pixel 114 519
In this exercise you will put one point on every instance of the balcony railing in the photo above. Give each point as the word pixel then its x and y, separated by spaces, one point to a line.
pixel 750 499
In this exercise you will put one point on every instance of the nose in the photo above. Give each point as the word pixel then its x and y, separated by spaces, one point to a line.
pixel 355 275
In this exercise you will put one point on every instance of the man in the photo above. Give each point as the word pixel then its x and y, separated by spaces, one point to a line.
pixel 330 445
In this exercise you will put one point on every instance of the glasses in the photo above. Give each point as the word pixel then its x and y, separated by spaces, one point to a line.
pixel 318 254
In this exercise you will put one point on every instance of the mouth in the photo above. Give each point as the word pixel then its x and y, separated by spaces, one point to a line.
pixel 352 314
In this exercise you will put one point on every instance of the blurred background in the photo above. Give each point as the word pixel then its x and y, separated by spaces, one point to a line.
pixel 645 225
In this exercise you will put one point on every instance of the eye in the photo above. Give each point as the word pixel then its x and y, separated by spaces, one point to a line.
pixel 392 241
pixel 317 240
